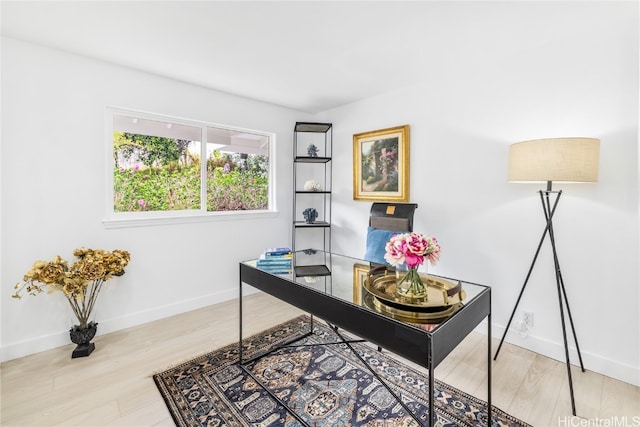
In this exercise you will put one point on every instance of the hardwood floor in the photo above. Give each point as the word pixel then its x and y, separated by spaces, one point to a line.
pixel 114 385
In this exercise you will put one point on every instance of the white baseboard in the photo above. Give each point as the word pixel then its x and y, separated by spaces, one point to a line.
pixel 555 350
pixel 61 338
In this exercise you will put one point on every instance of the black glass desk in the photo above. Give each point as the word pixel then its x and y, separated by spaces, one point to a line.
pixel 330 286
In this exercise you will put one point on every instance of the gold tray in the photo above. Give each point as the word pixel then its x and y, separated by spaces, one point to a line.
pixel 426 320
pixel 444 298
pixel 441 293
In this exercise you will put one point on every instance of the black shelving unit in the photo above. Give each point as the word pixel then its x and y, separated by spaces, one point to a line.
pixel 317 167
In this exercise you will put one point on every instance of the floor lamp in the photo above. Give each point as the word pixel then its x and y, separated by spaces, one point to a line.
pixel 549 160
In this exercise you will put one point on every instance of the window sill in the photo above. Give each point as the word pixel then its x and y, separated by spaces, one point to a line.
pixel 128 221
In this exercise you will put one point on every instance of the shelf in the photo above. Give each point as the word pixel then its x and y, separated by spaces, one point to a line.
pixel 312 127
pixel 307 159
pixel 312 152
pixel 312 270
pixel 312 192
pixel 302 224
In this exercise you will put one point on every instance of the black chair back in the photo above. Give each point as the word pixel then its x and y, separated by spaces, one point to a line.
pixel 392 216
pixel 385 220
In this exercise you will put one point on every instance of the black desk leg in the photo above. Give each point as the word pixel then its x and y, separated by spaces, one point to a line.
pixel 240 325
pixel 489 407
pixel 432 390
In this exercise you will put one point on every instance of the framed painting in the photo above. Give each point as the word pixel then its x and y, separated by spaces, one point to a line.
pixel 360 273
pixel 381 165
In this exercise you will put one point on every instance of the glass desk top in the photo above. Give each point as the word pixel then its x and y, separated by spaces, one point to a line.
pixel 343 278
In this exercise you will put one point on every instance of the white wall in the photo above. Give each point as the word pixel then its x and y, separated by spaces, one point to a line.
pixel 577 74
pixel 581 79
pixel 53 180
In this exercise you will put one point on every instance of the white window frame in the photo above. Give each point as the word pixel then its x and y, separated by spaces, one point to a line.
pixel 148 218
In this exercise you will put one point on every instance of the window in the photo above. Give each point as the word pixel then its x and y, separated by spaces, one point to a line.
pixel 163 168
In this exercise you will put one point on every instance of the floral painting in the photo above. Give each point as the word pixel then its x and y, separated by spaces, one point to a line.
pixel 381 165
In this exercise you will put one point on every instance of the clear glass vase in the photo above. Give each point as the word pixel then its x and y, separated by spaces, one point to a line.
pixel 409 283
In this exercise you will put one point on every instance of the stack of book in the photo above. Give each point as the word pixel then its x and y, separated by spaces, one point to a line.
pixel 276 261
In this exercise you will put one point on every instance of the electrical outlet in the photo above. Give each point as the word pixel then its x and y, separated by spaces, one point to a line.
pixel 527 318
pixel 522 329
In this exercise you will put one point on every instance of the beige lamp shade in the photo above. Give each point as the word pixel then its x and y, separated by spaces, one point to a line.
pixel 554 159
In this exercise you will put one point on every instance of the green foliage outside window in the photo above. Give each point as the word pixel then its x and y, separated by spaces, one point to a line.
pixel 156 189
pixel 236 190
pixel 169 177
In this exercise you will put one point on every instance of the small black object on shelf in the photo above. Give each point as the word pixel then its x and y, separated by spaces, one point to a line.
pixel 312 150
pixel 310 215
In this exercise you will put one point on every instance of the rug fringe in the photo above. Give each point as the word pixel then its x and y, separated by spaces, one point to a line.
pixel 182 362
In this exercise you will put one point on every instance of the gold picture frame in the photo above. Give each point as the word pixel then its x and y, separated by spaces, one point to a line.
pixel 381 165
pixel 360 274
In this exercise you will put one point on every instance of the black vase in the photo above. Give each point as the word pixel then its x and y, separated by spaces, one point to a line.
pixel 83 337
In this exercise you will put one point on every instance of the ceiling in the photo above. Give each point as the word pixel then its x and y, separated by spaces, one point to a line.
pixel 310 56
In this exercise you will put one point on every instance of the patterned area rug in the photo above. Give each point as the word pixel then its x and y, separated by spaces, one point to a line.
pixel 326 385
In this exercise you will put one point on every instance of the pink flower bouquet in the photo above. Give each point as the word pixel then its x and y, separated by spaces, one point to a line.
pixel 411 249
